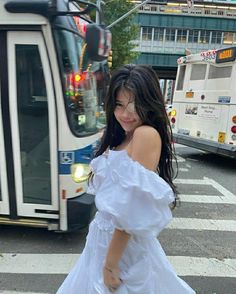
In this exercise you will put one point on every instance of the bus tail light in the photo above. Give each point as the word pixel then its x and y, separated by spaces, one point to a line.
pixel 173 120
pixel 233 129
pixel 234 119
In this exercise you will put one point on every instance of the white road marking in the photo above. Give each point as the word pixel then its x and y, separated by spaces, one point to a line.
pixel 183 169
pixel 207 199
pixel 37 263
pixel 219 187
pixel 204 181
pixel 225 197
pixel 199 266
pixel 14 292
pixel 202 224
pixel 176 145
pixel 62 264
pixel 180 159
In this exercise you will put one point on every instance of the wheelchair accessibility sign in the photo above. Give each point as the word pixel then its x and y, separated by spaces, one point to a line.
pixel 67 157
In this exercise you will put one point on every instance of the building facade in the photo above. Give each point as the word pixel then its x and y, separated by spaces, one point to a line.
pixel 171 29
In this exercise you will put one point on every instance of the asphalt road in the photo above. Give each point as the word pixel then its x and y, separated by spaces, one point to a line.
pixel 200 242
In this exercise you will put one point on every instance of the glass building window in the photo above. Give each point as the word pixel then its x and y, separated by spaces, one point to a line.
pixel 204 36
pixel 216 37
pixel 181 36
pixel 158 34
pixel 147 34
pixel 193 36
pixel 228 38
pixel 170 35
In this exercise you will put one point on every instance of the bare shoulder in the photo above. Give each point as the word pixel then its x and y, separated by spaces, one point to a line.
pixel 146 133
pixel 146 146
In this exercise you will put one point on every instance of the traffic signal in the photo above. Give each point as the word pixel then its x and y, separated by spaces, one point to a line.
pixel 109 59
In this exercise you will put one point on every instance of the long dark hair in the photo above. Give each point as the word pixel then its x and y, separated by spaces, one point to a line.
pixel 142 81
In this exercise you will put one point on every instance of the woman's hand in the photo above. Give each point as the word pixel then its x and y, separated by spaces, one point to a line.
pixel 111 276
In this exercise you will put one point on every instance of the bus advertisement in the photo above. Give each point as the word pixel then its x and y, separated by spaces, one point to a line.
pixel 204 102
pixel 51 115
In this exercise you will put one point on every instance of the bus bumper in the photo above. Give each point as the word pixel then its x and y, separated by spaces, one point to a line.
pixel 80 211
pixel 206 145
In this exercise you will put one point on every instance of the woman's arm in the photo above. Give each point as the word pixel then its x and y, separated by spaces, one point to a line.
pixel 117 246
pixel 111 271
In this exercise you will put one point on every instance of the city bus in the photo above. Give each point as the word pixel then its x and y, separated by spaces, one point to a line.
pixel 52 58
pixel 204 102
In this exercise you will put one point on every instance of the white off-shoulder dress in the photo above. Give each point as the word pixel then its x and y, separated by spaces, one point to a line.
pixel 131 198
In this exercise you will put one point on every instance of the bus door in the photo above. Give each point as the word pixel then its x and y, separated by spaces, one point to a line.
pixel 4 198
pixel 32 128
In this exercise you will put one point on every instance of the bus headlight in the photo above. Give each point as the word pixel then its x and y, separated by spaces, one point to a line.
pixel 80 172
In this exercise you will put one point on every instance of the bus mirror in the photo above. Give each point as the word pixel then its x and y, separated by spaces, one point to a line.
pixel 43 7
pixel 98 39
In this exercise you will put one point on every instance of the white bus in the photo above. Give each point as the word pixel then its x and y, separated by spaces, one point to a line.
pixel 204 102
pixel 50 119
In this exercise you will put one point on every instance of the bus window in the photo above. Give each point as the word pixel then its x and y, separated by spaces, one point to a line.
pixel 30 73
pixel 216 72
pixel 181 76
pixel 80 85
pixel 32 104
pixel 198 72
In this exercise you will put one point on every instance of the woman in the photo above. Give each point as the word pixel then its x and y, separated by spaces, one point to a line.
pixel 132 181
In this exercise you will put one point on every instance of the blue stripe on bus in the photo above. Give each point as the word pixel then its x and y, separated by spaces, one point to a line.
pixel 67 158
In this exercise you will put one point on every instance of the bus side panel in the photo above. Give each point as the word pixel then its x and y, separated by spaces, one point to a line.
pixel 203 121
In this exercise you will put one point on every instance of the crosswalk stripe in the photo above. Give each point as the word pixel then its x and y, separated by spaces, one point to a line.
pixel 180 159
pixel 199 266
pixel 225 197
pixel 217 199
pixel 14 292
pixel 27 263
pixel 204 181
pixel 208 182
pixel 202 224
pixel 62 264
pixel 183 169
pixel 219 187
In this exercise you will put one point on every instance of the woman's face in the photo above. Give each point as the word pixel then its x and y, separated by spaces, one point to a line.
pixel 125 112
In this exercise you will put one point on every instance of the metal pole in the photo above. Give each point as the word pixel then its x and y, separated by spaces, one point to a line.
pixel 97 13
pixel 127 14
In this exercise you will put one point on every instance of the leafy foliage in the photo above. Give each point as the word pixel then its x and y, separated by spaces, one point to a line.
pixel 123 33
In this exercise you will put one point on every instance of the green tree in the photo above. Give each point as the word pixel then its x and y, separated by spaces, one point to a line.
pixel 123 33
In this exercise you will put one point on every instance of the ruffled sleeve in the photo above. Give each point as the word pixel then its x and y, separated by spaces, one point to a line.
pixel 137 199
pixel 98 167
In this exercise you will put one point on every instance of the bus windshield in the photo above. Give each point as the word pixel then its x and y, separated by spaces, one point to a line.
pixel 84 113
